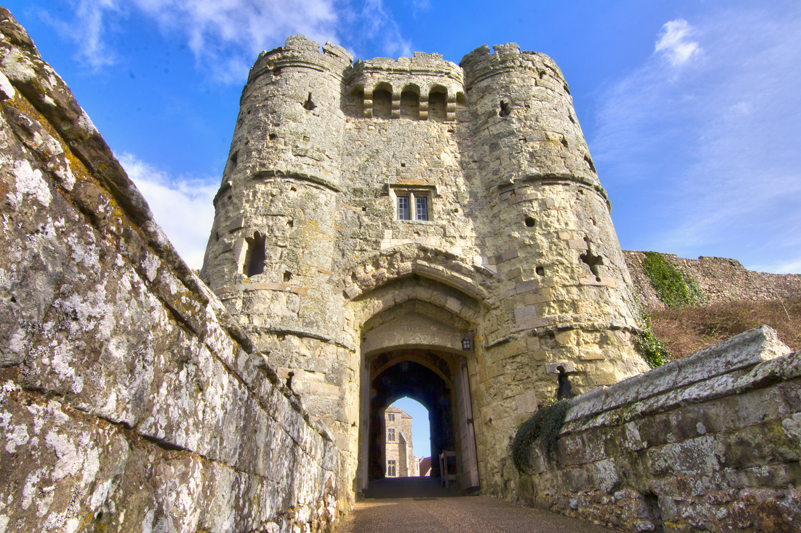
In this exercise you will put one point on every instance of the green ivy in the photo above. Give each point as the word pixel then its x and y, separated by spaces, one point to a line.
pixel 649 347
pixel 672 287
pixel 542 428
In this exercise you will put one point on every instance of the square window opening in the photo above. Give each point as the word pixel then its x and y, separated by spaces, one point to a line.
pixel 413 205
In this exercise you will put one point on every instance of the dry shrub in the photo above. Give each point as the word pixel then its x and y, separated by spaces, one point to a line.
pixel 688 329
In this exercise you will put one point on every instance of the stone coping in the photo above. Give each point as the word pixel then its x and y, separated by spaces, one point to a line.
pixel 713 371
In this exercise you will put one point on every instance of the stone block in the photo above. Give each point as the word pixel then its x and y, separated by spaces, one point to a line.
pixel 525 314
pixel 526 402
pixel 567 366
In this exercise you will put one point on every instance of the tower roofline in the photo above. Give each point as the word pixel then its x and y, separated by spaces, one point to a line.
pixel 298 51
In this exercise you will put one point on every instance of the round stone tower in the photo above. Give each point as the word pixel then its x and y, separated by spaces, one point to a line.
pixel 543 223
pixel 272 243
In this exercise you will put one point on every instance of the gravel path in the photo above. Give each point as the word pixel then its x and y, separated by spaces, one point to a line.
pixel 420 505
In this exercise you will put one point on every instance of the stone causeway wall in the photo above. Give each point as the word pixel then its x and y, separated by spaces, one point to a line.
pixel 708 443
pixel 721 279
pixel 129 398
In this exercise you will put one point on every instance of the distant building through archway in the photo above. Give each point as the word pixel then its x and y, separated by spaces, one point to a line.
pixel 399 444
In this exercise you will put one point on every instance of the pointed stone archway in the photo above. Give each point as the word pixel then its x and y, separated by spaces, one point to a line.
pixel 403 376
pixel 414 348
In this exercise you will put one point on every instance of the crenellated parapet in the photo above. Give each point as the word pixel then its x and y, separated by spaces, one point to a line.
pixel 423 87
pixel 481 64
pixel 300 52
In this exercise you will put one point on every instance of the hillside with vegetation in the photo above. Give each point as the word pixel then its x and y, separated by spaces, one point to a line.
pixel 691 304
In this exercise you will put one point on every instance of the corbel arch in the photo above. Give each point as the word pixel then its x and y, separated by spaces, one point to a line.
pixel 381 99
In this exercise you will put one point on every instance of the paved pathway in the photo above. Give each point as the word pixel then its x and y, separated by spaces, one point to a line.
pixel 421 505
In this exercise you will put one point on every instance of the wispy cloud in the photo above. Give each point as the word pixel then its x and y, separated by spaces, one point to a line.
pixel 376 23
pixel 674 43
pixel 181 206
pixel 418 5
pixel 90 34
pixel 226 35
pixel 709 147
pixel 234 31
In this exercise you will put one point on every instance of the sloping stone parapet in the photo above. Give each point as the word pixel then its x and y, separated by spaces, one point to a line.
pixel 711 442
pixel 129 398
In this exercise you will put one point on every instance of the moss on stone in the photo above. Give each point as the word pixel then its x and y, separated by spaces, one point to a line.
pixel 543 428
pixel 650 348
pixel 673 288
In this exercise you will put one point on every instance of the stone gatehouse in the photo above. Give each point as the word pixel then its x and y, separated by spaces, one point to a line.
pixel 424 229
pixel 384 229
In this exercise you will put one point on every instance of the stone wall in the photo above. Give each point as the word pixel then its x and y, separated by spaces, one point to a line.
pixel 721 280
pixel 711 442
pixel 130 400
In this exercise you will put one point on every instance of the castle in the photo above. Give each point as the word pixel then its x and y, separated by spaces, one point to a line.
pixel 384 229
pixel 413 227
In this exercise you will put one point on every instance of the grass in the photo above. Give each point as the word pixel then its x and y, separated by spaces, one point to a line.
pixel 685 330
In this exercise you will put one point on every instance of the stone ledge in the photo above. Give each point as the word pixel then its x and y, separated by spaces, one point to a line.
pixel 244 287
pixel 739 353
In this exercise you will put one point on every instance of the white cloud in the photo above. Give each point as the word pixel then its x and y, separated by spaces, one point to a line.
pixel 225 36
pixel 419 5
pixel 181 206
pixel 215 28
pixel 707 155
pixel 674 43
pixel 376 23
pixel 89 33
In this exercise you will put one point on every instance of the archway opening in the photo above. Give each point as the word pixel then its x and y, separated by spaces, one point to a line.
pixel 407 378
pixel 412 332
pixel 437 379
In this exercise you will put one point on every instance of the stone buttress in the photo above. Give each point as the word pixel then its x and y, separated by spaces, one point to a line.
pixel 376 208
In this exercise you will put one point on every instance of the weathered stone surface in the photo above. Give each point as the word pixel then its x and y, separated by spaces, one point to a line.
pixel 707 444
pixel 309 252
pixel 130 399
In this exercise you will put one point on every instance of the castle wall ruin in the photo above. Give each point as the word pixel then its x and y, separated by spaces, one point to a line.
pixel 721 280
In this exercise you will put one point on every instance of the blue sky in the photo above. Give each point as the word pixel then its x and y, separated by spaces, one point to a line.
pixel 692 109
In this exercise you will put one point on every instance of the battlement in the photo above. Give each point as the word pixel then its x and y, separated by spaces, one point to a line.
pixel 421 87
pixel 481 64
pixel 300 52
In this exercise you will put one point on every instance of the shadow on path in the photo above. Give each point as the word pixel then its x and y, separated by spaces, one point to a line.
pixel 409 487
